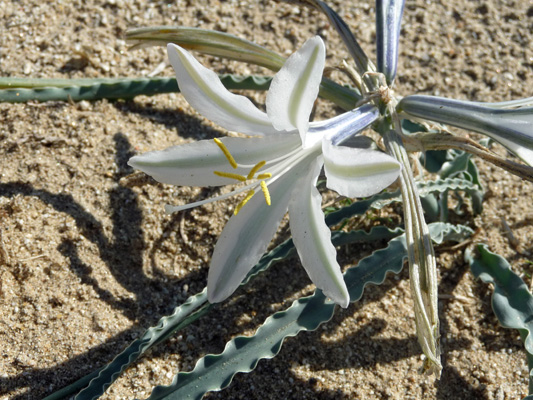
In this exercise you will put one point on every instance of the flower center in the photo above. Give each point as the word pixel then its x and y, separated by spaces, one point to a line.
pixel 242 178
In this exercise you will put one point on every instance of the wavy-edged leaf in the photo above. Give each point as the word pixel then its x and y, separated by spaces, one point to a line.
pixel 511 301
pixel 455 164
pixel 107 375
pixel 383 199
pixel 510 127
pixel 195 307
pixel 182 316
pixel 215 372
pixel 388 22
pixel 441 231
pixel 192 309
pixel 19 90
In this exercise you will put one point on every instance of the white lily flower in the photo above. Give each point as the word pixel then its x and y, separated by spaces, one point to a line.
pixel 291 152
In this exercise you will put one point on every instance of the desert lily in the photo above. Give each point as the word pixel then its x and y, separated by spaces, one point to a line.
pixel 278 168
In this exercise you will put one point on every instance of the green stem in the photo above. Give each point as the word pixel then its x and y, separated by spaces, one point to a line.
pixel 422 265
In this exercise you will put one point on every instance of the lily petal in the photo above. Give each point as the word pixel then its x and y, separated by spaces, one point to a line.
pixel 357 172
pixel 295 87
pixel 203 90
pixel 312 237
pixel 193 164
pixel 245 238
pixel 513 128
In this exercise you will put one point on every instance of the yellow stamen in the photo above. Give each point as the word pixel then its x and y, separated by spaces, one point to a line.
pixel 266 175
pixel 223 174
pixel 266 193
pixel 249 195
pixel 255 169
pixel 226 152
pixel 242 178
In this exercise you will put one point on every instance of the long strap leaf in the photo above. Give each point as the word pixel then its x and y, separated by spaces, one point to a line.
pixel 194 308
pixel 361 60
pixel 234 48
pixel 19 90
pixel 220 44
pixel 215 43
pixel 388 22
pixel 215 372
pixel 511 301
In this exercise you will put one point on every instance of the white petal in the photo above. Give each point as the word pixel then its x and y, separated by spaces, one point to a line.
pixel 357 172
pixel 312 237
pixel 204 91
pixel 245 238
pixel 192 164
pixel 294 88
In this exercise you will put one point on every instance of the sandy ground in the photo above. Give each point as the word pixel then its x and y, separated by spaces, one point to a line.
pixel 91 262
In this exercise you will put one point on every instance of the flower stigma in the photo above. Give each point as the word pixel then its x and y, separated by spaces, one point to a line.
pixel 242 178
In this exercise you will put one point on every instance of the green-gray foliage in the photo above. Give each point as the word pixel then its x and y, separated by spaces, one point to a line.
pixel 215 372
pixel 196 306
pixel 512 301
pixel 426 189
pixel 19 90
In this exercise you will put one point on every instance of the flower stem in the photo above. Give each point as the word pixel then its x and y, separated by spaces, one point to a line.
pixel 422 265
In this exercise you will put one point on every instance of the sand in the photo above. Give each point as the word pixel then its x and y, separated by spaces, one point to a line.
pixel 90 260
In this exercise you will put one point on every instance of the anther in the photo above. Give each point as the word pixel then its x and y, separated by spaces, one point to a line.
pixel 226 152
pixel 230 175
pixel 266 193
pixel 256 168
pixel 249 195
pixel 266 175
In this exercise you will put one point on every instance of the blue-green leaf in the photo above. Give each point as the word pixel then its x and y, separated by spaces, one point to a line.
pixel 18 90
pixel 388 22
pixel 510 127
pixel 511 301
pixel 380 200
